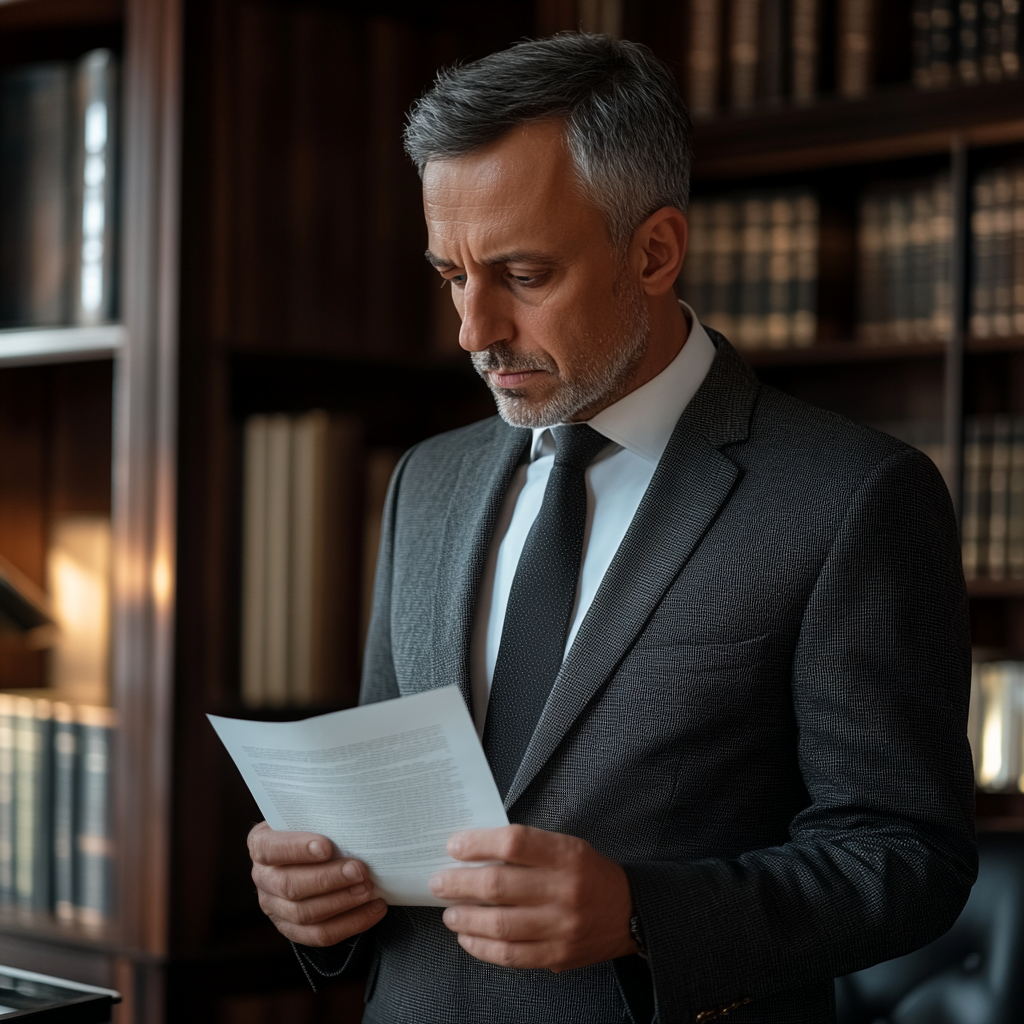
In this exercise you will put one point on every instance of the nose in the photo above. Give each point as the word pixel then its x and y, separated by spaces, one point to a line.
pixel 485 316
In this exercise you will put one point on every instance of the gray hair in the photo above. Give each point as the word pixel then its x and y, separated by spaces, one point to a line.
pixel 626 127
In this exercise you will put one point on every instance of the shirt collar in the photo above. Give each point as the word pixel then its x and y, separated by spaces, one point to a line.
pixel 643 420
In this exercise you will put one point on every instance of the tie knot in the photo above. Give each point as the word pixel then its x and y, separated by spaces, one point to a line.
pixel 577 445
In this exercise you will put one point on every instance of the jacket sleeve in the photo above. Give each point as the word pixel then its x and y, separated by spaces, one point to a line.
pixel 379 682
pixel 881 860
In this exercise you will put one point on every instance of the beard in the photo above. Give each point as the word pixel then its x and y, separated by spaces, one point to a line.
pixel 597 384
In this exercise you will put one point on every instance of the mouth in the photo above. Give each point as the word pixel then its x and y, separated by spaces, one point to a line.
pixel 506 379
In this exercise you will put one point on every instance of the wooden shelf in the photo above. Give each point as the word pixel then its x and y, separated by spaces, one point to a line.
pixel 35 925
pixel 890 125
pixel 982 346
pixel 36 345
pixel 841 352
pixel 995 588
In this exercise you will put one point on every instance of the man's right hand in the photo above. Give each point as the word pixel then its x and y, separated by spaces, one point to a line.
pixel 313 897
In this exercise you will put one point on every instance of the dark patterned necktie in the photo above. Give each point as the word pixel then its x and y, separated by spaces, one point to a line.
pixel 539 605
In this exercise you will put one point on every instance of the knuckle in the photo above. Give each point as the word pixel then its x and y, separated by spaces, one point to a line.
pixel 515 839
pixel 493 887
pixel 288 885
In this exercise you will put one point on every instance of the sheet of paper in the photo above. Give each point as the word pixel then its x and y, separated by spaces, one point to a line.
pixel 387 783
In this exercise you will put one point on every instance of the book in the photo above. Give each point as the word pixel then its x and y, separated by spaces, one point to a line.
pixel 805 17
pixel 94 845
pixel 805 300
pixel 942 258
pixel 1015 501
pixel 780 320
pixel 7 788
pixel 703 64
pixel 995 563
pixel 34 200
pixel 276 581
pixel 1001 253
pixel 1009 36
pixel 752 311
pixel 65 806
pixel 968 53
pixel 990 47
pixel 974 529
pixel 695 280
pixel 982 257
pixel 254 568
pixel 1018 249
pixel 33 781
pixel 940 44
pixel 773 52
pixel 725 248
pixel 92 228
pixel 897 237
pixel 744 29
pixel 854 49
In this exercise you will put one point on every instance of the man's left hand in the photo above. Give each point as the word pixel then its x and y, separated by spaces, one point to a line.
pixel 554 902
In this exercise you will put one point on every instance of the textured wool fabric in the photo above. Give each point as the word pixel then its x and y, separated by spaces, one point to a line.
pixel 540 605
pixel 762 717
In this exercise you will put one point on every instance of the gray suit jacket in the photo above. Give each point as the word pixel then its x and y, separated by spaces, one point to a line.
pixel 762 717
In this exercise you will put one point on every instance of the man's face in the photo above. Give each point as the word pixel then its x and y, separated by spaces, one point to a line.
pixel 555 322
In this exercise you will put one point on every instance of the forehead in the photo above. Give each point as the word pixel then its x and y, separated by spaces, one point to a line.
pixel 519 191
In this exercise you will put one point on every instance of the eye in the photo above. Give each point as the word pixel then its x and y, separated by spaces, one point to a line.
pixel 456 280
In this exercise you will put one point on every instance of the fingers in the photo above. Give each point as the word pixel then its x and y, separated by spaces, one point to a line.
pixel 268 846
pixel 315 909
pixel 301 881
pixel 513 844
pixel 335 929
pixel 505 924
pixel 513 954
pixel 496 884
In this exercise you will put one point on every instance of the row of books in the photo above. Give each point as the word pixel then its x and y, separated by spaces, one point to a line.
pixel 56 842
pixel 904 244
pixel 752 268
pixel 997 230
pixel 313 499
pixel 968 42
pixel 993 507
pixel 742 53
pixel 996 725
pixel 57 169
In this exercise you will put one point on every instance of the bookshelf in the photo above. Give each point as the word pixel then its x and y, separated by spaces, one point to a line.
pixel 271 262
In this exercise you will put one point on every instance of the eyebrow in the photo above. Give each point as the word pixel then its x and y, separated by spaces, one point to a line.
pixel 514 256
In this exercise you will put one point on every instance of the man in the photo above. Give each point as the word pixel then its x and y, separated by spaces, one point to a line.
pixel 714 640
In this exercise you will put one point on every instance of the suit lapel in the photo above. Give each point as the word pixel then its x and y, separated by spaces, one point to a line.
pixel 692 482
pixel 484 477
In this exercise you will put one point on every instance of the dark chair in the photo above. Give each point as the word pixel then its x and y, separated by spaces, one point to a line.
pixel 974 974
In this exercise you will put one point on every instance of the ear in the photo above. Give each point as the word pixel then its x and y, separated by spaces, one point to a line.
pixel 660 243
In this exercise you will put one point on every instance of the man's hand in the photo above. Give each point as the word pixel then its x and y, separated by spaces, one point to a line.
pixel 313 897
pixel 555 902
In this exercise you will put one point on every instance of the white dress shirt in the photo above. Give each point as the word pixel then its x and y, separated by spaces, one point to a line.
pixel 638 428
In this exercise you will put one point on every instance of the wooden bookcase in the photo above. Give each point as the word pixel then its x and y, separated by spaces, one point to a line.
pixel 271 249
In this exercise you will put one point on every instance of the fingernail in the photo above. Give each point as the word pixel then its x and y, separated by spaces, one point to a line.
pixel 437 885
pixel 316 849
pixel 450 917
pixel 352 871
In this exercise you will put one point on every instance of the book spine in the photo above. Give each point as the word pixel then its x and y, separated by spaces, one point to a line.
pixel 34 114
pixel 781 273
pixel 898 259
pixel 999 492
pixel 696 279
pixel 93 214
pixel 7 798
pixel 254 561
pixel 275 627
pixel 772 52
pixel 65 785
pixel 1015 512
pixel 870 269
pixel 920 43
pixel 751 327
pixel 94 888
pixel 33 807
pixel 804 49
pixel 968 64
pixel 805 315
pixel 724 266
pixel 942 258
pixel 1009 35
pixel 1018 249
pixel 855 54
pixel 1002 252
pixel 940 44
pixel 922 269
pixel 703 57
pixel 991 43
pixel 973 473
pixel 981 247
pixel 743 55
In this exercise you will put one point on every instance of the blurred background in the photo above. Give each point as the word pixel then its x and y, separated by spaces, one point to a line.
pixel 218 334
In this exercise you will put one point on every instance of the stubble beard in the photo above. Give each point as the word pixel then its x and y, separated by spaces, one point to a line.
pixel 593 386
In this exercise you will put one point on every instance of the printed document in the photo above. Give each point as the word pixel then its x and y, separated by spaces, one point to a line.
pixel 387 783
